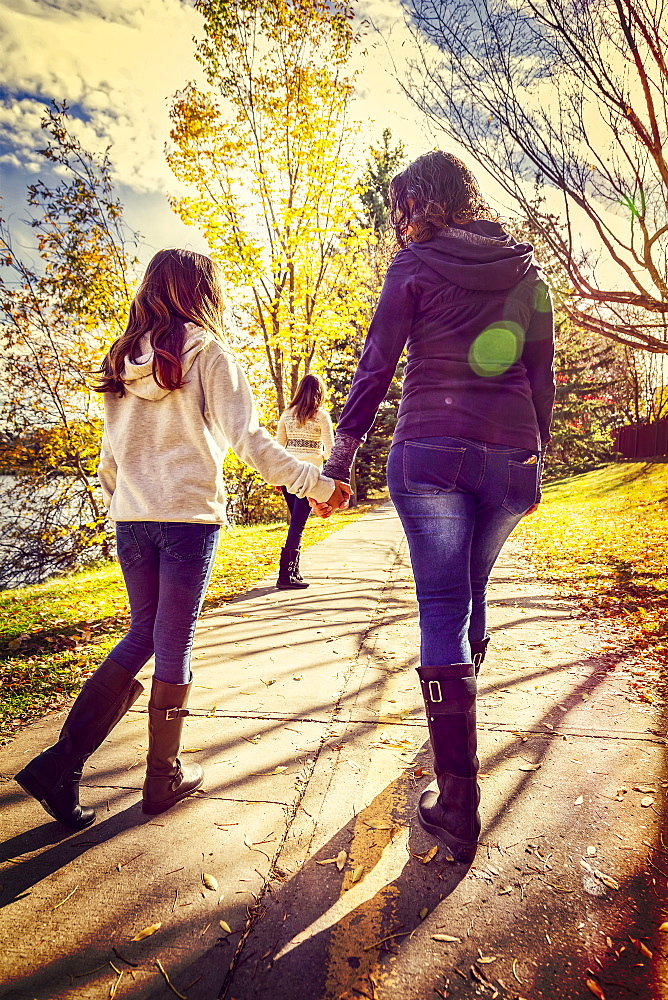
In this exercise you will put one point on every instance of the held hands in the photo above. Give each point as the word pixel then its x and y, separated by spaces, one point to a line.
pixel 337 501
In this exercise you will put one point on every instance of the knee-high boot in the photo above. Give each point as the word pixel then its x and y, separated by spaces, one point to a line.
pixel 53 777
pixel 167 780
pixel 451 813
pixel 478 653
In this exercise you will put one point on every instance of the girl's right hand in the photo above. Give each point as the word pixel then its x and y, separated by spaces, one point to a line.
pixel 337 501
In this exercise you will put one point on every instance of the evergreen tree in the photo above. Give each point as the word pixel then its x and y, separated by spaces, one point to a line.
pixel 383 163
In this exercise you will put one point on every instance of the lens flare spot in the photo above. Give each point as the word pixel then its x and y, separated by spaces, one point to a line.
pixel 496 348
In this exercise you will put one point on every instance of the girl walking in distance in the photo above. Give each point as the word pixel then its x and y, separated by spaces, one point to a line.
pixel 474 311
pixel 174 399
pixel 305 430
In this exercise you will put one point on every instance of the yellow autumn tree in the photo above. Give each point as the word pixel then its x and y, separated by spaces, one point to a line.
pixel 58 314
pixel 265 153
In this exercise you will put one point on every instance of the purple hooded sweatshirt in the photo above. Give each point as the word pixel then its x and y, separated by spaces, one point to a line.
pixel 474 310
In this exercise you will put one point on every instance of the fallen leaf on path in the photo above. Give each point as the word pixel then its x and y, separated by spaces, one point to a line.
pixel 378 824
pixel 486 959
pixel 507 889
pixel 448 938
pixel 591 851
pixel 529 767
pixel 192 750
pixel 641 946
pixel 647 801
pixel 277 770
pixel 341 859
pixel 151 929
pixel 357 874
pixel 579 800
pixel 224 926
pixel 594 988
pixel 210 881
pixel 645 789
pixel 424 912
pixel 328 861
pixel 430 855
pixel 606 879
pixel 664 926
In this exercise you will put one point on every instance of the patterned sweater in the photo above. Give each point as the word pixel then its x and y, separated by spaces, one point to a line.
pixel 310 442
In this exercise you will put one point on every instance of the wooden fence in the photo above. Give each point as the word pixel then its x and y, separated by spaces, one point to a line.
pixel 642 440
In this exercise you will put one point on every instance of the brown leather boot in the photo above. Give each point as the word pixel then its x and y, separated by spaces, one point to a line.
pixel 53 776
pixel 451 813
pixel 167 780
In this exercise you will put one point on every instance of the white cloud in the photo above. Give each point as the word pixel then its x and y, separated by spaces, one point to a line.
pixel 116 62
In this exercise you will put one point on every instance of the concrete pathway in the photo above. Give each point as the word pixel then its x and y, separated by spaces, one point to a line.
pixel 300 872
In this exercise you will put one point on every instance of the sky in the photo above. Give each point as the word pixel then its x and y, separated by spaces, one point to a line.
pixel 117 63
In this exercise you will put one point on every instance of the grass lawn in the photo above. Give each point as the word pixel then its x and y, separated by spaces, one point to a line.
pixel 53 634
pixel 603 537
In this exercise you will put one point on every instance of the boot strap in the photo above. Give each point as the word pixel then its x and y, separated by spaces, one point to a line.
pixel 449 697
pixel 168 714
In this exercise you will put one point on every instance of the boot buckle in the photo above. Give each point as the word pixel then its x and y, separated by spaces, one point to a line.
pixel 175 713
pixel 435 693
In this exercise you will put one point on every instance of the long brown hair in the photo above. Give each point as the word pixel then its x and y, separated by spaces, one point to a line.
pixel 442 192
pixel 179 287
pixel 308 398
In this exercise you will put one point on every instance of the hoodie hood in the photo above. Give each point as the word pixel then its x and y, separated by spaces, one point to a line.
pixel 478 256
pixel 138 375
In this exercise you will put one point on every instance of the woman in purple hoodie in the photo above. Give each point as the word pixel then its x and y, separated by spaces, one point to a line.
pixel 474 311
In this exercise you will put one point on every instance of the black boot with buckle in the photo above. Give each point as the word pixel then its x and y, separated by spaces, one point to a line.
pixel 167 779
pixel 53 777
pixel 288 574
pixel 451 812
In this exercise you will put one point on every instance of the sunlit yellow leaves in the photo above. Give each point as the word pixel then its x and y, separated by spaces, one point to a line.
pixel 270 185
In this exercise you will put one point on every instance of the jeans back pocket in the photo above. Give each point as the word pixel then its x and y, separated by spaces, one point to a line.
pixel 127 547
pixel 522 487
pixel 431 469
pixel 184 541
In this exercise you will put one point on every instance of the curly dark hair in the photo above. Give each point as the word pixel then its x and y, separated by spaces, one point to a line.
pixel 432 193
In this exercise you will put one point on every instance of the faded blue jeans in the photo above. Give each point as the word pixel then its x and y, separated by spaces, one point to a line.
pixel 167 567
pixel 458 501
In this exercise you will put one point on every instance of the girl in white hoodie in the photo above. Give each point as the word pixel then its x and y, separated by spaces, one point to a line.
pixel 175 400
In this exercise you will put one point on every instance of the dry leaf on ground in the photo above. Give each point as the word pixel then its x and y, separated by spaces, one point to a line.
pixel 448 938
pixel 594 988
pixel 357 874
pixel 151 929
pixel 210 881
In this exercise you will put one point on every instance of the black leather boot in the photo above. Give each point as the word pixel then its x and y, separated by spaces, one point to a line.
pixel 478 653
pixel 167 779
pixel 53 777
pixel 288 574
pixel 451 813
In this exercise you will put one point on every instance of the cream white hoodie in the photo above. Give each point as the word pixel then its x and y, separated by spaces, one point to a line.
pixel 163 450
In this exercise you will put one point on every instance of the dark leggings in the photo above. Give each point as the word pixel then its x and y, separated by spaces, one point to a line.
pixel 300 509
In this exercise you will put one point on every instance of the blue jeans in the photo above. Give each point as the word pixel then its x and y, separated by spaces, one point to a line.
pixel 458 501
pixel 167 567
pixel 300 509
